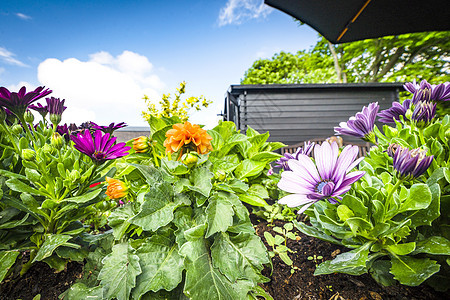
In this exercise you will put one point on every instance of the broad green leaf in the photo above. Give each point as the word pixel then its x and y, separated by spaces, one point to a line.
pixel 201 180
pixel 412 271
pixel 402 249
pixel 175 167
pixel 239 257
pixel 7 259
pixel 437 175
pixel 12 174
pixel 72 254
pixel 419 198
pixel 432 212
pixel 252 200
pixel 344 212
pixel 269 238
pixel 119 272
pixel 248 168
pixel 258 190
pixel 266 157
pixel 18 186
pixel 352 262
pixel 55 262
pixel 157 209
pixel 357 225
pixel 238 186
pixel 50 244
pixel 161 266
pixel 219 214
pixel 151 174
pixel 436 245
pixel 313 231
pixel 204 281
pixel 84 198
pixel 79 291
pixel 120 220
pixel 380 272
pixel 16 223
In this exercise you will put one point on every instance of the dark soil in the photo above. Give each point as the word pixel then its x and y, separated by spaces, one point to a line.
pixel 283 285
pixel 41 279
pixel 302 284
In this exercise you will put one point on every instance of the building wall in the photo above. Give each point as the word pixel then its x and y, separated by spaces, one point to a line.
pixel 127 133
pixel 295 113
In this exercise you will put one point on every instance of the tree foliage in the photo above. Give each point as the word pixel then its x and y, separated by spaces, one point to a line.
pixel 389 59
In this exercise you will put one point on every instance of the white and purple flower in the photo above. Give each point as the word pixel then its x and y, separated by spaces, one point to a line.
pixel 327 179
pixel 362 124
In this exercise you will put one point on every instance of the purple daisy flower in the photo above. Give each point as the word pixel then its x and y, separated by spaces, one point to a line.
pixel 394 113
pixel 327 179
pixel 101 148
pixel 411 163
pixel 282 162
pixel 17 103
pixel 428 92
pixel 64 131
pixel 424 113
pixel 42 110
pixel 362 124
pixel 110 128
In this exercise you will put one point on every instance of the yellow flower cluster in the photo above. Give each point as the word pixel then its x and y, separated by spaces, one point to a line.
pixel 177 107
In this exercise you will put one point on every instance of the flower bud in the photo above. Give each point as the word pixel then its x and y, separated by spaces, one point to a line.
pixel 57 140
pixel 190 159
pixel 220 175
pixel 141 144
pixel 28 154
pixel 28 116
pixel 55 119
pixel 17 129
pixel 48 149
pixel 116 189
pixel 74 175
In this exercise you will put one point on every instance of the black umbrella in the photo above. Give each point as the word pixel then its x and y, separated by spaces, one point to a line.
pixel 341 21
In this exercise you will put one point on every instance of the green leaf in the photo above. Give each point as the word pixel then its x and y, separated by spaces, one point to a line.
pixel 248 168
pixel 151 174
pixel 419 198
pixel 432 212
pixel 358 225
pixel 157 209
pixel 201 180
pixel 266 156
pixel 50 244
pixel 79 291
pixel 7 259
pixel 269 238
pixel 258 190
pixel 402 249
pixel 313 231
pixel 436 245
pixel 55 262
pixel 352 262
pixel 412 271
pixel 162 267
pixel 18 186
pixel 204 281
pixel 219 214
pixel 239 257
pixel 120 220
pixel 119 272
pixel 175 167
pixel 84 198
pixel 72 254
pixel 380 272
pixel 252 200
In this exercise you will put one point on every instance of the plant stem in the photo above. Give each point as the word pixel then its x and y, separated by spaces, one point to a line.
pixel 389 197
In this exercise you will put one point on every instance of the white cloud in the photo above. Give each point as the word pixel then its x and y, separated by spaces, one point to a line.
pixel 16 87
pixel 238 11
pixel 23 16
pixel 8 57
pixel 103 89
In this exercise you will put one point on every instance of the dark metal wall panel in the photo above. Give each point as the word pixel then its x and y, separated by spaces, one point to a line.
pixel 295 113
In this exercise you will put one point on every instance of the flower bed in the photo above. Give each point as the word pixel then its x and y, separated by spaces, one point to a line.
pixel 174 203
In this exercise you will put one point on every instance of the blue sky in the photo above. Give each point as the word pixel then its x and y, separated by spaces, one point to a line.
pixel 103 56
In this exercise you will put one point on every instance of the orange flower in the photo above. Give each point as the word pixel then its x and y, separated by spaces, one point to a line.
pixel 140 144
pixel 116 189
pixel 187 134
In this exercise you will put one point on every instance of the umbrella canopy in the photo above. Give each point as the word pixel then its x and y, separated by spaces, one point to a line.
pixel 341 21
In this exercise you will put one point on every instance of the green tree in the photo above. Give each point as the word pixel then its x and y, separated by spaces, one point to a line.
pixel 285 67
pixel 389 59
